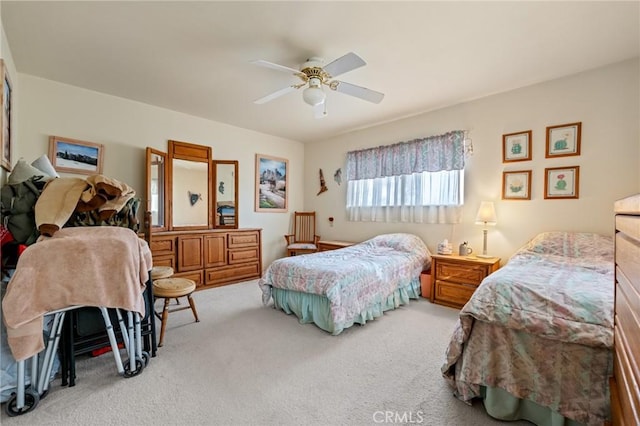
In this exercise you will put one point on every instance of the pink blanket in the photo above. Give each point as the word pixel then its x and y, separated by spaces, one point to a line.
pixel 91 266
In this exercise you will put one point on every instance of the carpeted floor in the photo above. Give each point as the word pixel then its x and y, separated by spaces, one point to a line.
pixel 246 364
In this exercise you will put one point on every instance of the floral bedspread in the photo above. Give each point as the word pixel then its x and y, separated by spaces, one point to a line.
pixel 546 326
pixel 351 278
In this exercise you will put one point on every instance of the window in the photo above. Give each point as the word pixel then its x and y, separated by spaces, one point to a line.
pixel 418 181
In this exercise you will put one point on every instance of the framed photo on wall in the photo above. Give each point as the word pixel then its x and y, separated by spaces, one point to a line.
pixel 272 183
pixel 5 117
pixel 516 146
pixel 563 140
pixel 561 182
pixel 74 156
pixel 516 185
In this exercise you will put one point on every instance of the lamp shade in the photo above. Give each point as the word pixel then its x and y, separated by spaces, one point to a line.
pixel 486 214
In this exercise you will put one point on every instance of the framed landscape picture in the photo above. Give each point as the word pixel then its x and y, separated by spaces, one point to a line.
pixel 561 182
pixel 516 185
pixel 271 184
pixel 5 117
pixel 74 156
pixel 516 146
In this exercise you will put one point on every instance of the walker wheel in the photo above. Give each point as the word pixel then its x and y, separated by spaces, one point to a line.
pixel 31 399
pixel 139 367
pixel 145 358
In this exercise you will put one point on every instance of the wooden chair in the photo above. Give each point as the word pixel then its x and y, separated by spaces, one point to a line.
pixel 304 239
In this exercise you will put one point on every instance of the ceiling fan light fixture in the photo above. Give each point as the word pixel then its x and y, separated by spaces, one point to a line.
pixel 313 95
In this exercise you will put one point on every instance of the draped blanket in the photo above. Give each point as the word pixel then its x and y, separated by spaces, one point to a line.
pixel 91 266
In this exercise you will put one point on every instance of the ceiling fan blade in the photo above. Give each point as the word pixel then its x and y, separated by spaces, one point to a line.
pixel 320 110
pixel 357 91
pixel 271 65
pixel 274 95
pixel 344 64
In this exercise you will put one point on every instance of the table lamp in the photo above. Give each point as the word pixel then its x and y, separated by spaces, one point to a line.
pixel 486 216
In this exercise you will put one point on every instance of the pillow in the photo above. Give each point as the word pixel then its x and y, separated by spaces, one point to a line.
pixel 23 171
pixel 571 244
pixel 44 165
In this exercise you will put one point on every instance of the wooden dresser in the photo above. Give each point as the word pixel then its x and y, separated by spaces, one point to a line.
pixel 455 278
pixel 210 257
pixel 625 383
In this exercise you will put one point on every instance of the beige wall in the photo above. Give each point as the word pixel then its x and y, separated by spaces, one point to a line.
pixel 605 100
pixel 126 127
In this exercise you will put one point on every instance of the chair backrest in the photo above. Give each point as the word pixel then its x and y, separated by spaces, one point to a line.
pixel 304 227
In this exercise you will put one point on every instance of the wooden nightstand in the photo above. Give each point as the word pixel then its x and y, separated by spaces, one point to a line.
pixel 332 245
pixel 455 278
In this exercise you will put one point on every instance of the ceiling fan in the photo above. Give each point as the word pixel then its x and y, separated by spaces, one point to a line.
pixel 314 74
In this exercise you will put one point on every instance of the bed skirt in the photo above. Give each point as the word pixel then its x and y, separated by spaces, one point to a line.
pixel 316 309
pixel 501 405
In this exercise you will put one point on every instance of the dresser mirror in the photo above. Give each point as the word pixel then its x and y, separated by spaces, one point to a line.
pixel 187 189
pixel 190 173
pixel 225 179
pixel 156 188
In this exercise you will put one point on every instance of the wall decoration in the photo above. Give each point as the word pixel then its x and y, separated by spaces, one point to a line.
pixel 516 146
pixel 6 116
pixel 563 140
pixel 74 156
pixel 516 185
pixel 194 198
pixel 221 187
pixel 272 181
pixel 561 182
pixel 323 184
pixel 337 176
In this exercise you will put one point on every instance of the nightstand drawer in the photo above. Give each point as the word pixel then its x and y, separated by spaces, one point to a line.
pixel 461 272
pixel 455 295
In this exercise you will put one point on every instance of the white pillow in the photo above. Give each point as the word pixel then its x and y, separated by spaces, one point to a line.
pixel 44 165
pixel 23 171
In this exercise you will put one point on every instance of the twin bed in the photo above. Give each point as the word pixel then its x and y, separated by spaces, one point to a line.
pixel 535 340
pixel 338 288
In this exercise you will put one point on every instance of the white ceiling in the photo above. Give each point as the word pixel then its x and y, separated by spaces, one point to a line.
pixel 194 57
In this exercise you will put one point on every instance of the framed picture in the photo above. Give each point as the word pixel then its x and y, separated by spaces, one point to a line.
pixel 563 140
pixel 516 185
pixel 272 181
pixel 561 182
pixel 74 156
pixel 5 117
pixel 516 146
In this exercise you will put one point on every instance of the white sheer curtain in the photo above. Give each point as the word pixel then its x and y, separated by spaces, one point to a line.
pixel 421 181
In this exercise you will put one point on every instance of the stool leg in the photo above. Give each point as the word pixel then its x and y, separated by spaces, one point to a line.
pixel 165 315
pixel 193 307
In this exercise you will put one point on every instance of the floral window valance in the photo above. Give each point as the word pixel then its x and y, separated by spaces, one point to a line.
pixel 430 154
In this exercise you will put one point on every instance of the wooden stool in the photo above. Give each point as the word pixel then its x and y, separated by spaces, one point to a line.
pixel 158 272
pixel 173 288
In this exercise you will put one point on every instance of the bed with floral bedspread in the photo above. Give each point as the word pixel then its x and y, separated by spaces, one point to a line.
pixel 535 340
pixel 338 288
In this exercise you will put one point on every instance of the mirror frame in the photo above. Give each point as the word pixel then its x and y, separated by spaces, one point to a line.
pixel 235 195
pixel 189 152
pixel 149 153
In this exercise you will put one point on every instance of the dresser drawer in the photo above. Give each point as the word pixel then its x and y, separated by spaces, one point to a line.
pixel 461 272
pixel 451 294
pixel 218 276
pixel 243 255
pixel 243 239
pixel 161 246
